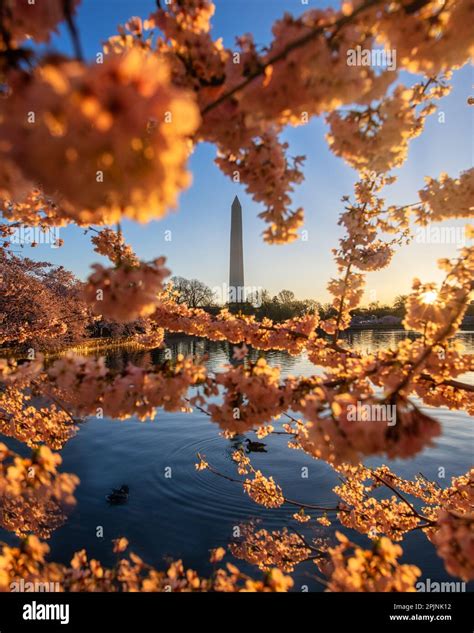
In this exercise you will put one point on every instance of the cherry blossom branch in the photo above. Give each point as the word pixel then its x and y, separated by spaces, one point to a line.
pixel 346 278
pixel 312 547
pixel 456 384
pixel 56 401
pixel 427 351
pixel 298 43
pixel 400 496
pixel 341 305
pixel 289 501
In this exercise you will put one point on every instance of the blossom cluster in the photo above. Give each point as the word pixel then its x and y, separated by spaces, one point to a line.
pixel 35 497
pixel 437 313
pixel 281 549
pixel 121 121
pixel 131 573
pixel 428 38
pixel 447 197
pixel 126 292
pixel 21 19
pixel 264 491
pixel 291 335
pixel 34 424
pixel 454 542
pixel 269 178
pixel 353 569
pixel 376 138
pixel 89 386
pixel 446 517
pixel 111 244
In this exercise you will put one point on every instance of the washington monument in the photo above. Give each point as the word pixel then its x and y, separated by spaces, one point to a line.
pixel 236 274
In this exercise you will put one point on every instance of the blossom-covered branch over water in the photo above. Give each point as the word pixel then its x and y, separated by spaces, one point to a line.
pixel 93 143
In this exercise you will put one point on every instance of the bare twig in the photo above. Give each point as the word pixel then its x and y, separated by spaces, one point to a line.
pixel 72 28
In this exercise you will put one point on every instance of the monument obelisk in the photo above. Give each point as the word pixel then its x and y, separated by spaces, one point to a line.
pixel 236 274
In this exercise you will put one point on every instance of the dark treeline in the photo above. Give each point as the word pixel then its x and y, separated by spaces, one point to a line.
pixel 58 316
pixel 283 305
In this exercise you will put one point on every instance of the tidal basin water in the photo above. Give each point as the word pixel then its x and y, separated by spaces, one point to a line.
pixel 192 512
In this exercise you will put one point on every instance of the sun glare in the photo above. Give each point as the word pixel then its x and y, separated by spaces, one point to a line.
pixel 429 297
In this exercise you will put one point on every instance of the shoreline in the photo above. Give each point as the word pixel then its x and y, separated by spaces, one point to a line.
pixel 87 346
pixel 103 344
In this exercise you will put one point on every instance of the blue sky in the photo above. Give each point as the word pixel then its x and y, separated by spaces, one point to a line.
pixel 200 227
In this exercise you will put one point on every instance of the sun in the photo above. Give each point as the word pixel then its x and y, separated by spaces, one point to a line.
pixel 429 297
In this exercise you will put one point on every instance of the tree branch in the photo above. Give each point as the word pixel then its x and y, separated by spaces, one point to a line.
pixel 298 43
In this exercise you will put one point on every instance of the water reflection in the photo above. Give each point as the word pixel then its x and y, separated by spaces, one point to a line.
pixel 174 510
pixel 214 354
pixel 217 354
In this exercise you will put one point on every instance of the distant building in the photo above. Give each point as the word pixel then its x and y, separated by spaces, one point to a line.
pixel 236 269
pixel 389 319
pixel 372 320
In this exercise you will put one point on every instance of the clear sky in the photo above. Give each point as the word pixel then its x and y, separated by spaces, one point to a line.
pixel 201 226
